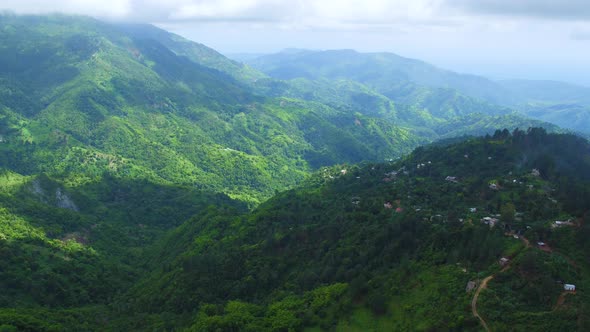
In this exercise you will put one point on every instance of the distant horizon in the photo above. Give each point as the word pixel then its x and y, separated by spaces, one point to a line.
pixel 491 76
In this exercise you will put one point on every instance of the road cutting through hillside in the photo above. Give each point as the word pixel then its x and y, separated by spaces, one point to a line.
pixel 484 284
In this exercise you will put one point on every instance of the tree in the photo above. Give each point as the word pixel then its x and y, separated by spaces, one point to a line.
pixel 507 212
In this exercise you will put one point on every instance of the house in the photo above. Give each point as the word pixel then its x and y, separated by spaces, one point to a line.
pixel 489 221
pixel 471 285
pixel 388 205
pixel 399 210
pixel 494 186
pixel 541 244
pixel 504 261
pixel 569 287
pixel 472 210
pixel 451 179
pixel 559 223
pixel 535 172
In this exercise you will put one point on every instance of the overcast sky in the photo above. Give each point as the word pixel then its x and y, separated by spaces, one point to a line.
pixel 537 39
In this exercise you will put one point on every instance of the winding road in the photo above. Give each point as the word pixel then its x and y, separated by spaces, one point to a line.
pixel 483 285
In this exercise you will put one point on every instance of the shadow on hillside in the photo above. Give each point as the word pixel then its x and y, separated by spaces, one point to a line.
pixel 67 247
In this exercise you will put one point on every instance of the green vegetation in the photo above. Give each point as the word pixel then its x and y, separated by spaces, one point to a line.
pixel 427 89
pixel 374 245
pixel 400 266
pixel 81 98
pixel 146 183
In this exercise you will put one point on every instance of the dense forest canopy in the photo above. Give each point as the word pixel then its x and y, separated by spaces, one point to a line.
pixel 356 246
pixel 147 182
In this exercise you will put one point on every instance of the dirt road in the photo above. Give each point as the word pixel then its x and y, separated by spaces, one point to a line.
pixel 483 285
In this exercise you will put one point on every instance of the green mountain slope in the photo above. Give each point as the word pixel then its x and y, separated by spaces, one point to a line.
pixel 377 83
pixel 81 98
pixel 391 245
pixel 68 251
pixel 564 104
pixel 573 116
pixel 196 52
pixel 132 159
pixel 380 71
pixel 427 112
pixel 415 83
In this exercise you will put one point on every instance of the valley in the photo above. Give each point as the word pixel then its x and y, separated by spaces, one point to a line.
pixel 147 182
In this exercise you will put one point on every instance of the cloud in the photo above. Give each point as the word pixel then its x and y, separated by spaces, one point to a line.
pixel 307 13
pixel 544 9
pixel 291 12
pixel 101 8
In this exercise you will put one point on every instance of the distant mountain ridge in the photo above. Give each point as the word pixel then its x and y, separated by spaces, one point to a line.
pixel 379 71
pixel 392 75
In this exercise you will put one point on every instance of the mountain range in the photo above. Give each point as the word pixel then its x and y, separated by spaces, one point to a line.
pixel 399 78
pixel 150 183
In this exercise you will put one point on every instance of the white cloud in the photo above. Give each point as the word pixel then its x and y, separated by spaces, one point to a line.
pixel 293 12
pixel 111 9
pixel 320 13
pixel 543 9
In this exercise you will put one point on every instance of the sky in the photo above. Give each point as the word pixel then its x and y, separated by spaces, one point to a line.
pixel 531 39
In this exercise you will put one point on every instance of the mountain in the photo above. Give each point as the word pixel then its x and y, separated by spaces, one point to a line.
pixel 389 245
pixel 380 71
pixel 573 116
pixel 564 104
pixel 79 98
pixel 397 239
pixel 432 113
pixel 196 52
pixel 378 245
pixel 406 81
pixel 145 186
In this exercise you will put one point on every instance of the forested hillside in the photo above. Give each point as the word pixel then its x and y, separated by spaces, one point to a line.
pixel 80 98
pixel 437 91
pixel 392 244
pixel 380 71
pixel 356 248
pixel 149 183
